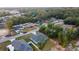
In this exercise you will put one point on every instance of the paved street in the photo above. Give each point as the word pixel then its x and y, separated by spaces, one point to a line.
pixel 18 35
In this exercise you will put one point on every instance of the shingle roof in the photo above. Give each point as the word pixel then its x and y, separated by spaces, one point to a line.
pixel 39 38
pixel 20 45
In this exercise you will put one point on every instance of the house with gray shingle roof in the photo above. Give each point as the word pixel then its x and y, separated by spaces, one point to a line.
pixel 39 39
pixel 20 45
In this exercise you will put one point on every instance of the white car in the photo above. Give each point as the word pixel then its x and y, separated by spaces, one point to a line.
pixel 21 33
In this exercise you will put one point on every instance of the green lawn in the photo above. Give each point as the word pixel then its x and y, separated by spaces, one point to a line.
pixel 27 29
pixel 26 37
pixel 48 45
pixel 3 46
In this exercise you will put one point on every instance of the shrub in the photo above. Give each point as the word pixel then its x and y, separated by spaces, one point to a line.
pixel 70 21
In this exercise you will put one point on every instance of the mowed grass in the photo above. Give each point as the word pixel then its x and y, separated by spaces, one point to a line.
pixel 48 45
pixel 25 37
pixel 27 29
pixel 4 45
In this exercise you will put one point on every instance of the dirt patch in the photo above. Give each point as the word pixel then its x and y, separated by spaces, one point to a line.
pixel 56 46
pixel 53 45
pixel 4 32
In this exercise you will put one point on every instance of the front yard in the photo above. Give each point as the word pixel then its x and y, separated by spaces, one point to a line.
pixel 4 45
pixel 26 37
pixel 28 29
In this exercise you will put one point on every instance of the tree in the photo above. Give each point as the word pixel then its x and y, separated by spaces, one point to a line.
pixel 77 21
pixel 42 28
pixel 9 24
pixel 77 32
pixel 50 25
pixel 69 20
pixel 71 34
pixel 67 36
pixel 63 39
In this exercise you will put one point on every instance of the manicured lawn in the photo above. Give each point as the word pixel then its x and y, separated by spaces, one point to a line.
pixel 27 29
pixel 26 37
pixel 3 46
pixel 48 45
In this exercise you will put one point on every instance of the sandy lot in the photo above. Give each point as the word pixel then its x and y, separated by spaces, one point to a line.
pixel 4 32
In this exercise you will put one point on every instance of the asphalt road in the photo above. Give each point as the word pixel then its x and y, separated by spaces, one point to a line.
pixel 18 35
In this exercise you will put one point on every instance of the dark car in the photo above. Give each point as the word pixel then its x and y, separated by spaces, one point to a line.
pixel 24 32
pixel 7 35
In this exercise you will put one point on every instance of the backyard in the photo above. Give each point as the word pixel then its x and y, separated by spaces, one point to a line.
pixel 52 45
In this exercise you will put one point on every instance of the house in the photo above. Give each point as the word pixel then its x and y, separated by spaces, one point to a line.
pixel 30 25
pixel 52 19
pixel 17 31
pixel 39 39
pixel 14 12
pixel 58 22
pixel 68 26
pixel 17 27
pixel 20 45
pixel 45 24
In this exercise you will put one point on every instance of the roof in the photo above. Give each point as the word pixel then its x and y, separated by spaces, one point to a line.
pixel 20 45
pixel 39 38
pixel 12 40
pixel 68 26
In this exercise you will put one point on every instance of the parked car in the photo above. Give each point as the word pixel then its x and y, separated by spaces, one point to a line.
pixel 24 32
pixel 7 35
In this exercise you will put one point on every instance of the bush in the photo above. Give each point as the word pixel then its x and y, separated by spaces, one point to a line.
pixel 70 21
pixel 51 30
pixel 77 32
pixel 77 21
pixel 42 28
